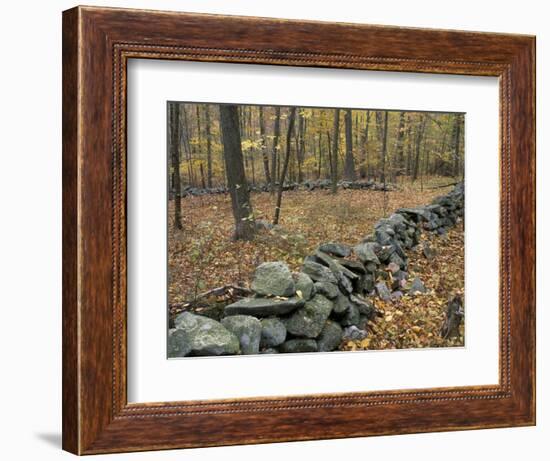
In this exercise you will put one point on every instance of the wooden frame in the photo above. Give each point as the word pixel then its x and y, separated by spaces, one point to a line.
pixel 97 43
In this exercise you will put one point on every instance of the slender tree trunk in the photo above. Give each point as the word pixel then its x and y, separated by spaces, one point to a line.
pixel 320 158
pixel 363 167
pixel 285 165
pixel 418 143
pixel 236 178
pixel 264 146
pixel 458 122
pixel 349 164
pixel 175 161
pixel 208 146
pixel 329 158
pixel 399 148
pixel 409 145
pixel 384 149
pixel 334 153
pixel 203 182
pixel 186 138
pixel 274 154
pixel 302 126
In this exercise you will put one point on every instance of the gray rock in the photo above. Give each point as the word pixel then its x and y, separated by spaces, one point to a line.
pixel 354 333
pixel 247 329
pixel 298 345
pixel 365 306
pixel 330 290
pixel 354 266
pixel 178 343
pixel 273 332
pixel 341 305
pixel 317 272
pixel 393 267
pixel 417 287
pixel 309 320
pixel 336 249
pixel 351 317
pixel 398 261
pixel 366 252
pixel 330 337
pixel 262 224
pixel 206 336
pixel 273 279
pixel 396 295
pixel 336 268
pixel 264 307
pixel 385 252
pixel 383 291
pixel 304 284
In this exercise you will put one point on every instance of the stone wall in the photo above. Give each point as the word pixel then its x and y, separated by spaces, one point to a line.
pixel 328 300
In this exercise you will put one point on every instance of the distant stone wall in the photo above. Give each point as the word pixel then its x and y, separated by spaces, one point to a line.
pixel 321 184
pixel 328 300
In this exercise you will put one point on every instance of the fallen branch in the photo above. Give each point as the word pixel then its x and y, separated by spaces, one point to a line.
pixel 233 291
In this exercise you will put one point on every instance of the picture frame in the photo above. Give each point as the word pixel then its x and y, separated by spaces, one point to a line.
pixel 97 44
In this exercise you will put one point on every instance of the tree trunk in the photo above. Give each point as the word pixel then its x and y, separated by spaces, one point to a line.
pixel 274 154
pixel 349 164
pixel 384 149
pixel 264 146
pixel 457 137
pixel 334 153
pixel 418 143
pixel 285 166
pixel 236 178
pixel 175 161
pixel 400 144
pixel 363 167
pixel 208 146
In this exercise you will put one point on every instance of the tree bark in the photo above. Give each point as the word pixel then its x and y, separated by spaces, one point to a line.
pixel 208 145
pixel 175 161
pixel 400 144
pixel 457 137
pixel 349 164
pixel 236 178
pixel 285 166
pixel 418 143
pixel 274 154
pixel 264 146
pixel 363 167
pixel 384 149
pixel 334 153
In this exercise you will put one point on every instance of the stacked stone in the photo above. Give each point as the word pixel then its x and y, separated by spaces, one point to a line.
pixel 315 309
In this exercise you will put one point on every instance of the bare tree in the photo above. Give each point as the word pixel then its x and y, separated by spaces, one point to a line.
pixel 349 164
pixel 174 114
pixel 285 165
pixel 236 178
pixel 363 167
pixel 418 143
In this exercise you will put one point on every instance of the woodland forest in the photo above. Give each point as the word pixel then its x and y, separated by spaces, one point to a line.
pixel 367 201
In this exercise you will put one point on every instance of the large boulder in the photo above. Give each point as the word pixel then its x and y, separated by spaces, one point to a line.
pixel 273 332
pixel 205 336
pixel 309 320
pixel 303 284
pixel 264 307
pixel 330 337
pixel 273 279
pixel 247 329
pixel 299 345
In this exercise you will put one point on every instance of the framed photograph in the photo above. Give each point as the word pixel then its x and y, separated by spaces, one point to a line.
pixel 285 230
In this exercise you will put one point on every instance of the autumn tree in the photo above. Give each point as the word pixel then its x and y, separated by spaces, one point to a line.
pixel 263 145
pixel 236 178
pixel 384 149
pixel 274 154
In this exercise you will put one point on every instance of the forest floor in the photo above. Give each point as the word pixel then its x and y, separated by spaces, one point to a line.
pixel 203 256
